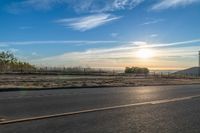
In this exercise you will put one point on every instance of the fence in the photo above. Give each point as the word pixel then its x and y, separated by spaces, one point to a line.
pixel 89 71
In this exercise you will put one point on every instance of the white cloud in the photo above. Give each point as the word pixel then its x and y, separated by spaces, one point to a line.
pixel 153 35
pixel 17 7
pixel 123 54
pixel 104 5
pixel 78 5
pixel 73 42
pixel 34 53
pixel 3 45
pixel 154 21
pixel 165 4
pixel 92 6
pixel 88 42
pixel 13 50
pixel 114 34
pixel 88 22
pixel 175 43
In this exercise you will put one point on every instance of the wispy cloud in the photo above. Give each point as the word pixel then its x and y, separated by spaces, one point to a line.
pixel 13 50
pixel 165 4
pixel 20 6
pixel 154 21
pixel 34 54
pixel 69 42
pixel 88 22
pixel 153 35
pixel 125 54
pixel 3 45
pixel 25 27
pixel 174 44
pixel 123 44
pixel 92 6
pixel 114 34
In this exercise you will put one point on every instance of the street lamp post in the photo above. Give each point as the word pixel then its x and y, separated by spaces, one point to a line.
pixel 199 65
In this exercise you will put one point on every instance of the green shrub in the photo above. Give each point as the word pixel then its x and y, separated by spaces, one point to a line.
pixel 136 70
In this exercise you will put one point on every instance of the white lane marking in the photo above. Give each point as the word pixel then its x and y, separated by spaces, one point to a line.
pixel 1 119
pixel 98 109
pixel 173 100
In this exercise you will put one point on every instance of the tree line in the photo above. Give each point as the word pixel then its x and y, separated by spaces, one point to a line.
pixel 136 70
pixel 9 63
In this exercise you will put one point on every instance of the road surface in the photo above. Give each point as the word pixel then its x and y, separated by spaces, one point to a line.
pixel 160 109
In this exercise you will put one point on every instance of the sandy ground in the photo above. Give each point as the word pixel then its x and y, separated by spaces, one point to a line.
pixel 67 81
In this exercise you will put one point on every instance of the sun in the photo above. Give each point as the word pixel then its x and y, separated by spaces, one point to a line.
pixel 145 53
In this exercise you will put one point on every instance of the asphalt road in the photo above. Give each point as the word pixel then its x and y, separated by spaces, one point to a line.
pixel 170 109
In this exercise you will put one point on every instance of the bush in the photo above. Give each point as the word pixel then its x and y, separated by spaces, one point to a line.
pixel 136 70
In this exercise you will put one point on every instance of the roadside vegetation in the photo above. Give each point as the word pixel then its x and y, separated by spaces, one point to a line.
pixel 9 63
pixel 30 76
pixel 136 70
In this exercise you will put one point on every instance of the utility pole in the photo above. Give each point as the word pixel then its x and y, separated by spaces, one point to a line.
pixel 199 65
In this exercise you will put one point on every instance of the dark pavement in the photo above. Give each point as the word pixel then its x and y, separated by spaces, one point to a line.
pixel 178 116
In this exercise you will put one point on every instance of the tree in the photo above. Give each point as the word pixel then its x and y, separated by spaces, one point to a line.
pixel 7 57
pixel 8 62
pixel 136 70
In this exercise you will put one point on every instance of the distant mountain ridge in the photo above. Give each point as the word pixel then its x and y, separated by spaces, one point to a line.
pixel 190 71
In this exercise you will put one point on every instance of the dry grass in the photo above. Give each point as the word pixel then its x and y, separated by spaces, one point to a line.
pixel 64 81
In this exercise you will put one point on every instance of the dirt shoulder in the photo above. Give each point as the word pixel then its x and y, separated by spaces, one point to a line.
pixel 30 82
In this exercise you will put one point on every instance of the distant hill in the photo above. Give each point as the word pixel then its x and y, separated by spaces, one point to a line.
pixel 190 71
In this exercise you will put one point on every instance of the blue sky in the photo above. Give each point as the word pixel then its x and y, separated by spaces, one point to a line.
pixel 102 33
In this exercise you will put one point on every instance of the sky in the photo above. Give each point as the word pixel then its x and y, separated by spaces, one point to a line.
pixel 158 34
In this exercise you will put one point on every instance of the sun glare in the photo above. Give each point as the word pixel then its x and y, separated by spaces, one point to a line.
pixel 145 53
